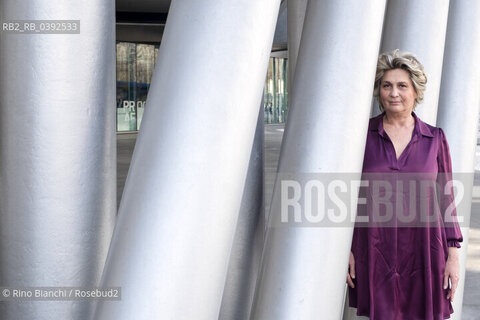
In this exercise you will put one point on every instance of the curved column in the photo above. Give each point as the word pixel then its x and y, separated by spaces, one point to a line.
pixel 295 17
pixel 303 268
pixel 57 153
pixel 248 242
pixel 178 215
pixel 419 27
pixel 458 110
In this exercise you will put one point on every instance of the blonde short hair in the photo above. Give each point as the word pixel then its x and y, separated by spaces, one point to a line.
pixel 407 61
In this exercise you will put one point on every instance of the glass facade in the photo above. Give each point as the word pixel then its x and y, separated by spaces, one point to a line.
pixel 135 65
pixel 275 92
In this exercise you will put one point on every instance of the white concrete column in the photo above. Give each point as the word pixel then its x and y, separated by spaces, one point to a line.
pixel 419 27
pixel 458 110
pixel 177 218
pixel 57 153
pixel 303 268
pixel 295 17
pixel 248 242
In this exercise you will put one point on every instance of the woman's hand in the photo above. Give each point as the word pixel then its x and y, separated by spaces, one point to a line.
pixel 452 272
pixel 351 271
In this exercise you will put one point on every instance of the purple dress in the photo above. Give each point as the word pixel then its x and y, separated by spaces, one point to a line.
pixel 399 270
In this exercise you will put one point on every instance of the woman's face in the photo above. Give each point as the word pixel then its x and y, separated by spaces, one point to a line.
pixel 396 91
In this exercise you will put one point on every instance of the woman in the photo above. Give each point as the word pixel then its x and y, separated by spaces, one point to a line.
pixel 404 273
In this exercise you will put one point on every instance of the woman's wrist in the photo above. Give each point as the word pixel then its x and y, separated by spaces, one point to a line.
pixel 452 253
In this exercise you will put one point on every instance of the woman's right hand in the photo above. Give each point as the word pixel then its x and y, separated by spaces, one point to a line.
pixel 351 271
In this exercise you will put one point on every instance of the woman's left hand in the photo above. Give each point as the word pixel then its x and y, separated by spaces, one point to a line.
pixel 452 272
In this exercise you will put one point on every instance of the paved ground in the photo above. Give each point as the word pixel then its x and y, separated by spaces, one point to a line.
pixel 125 144
pixel 273 138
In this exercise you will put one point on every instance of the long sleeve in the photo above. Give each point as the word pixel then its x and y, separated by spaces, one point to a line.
pixel 446 197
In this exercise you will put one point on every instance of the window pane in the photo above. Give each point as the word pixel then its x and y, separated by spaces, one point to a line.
pixel 145 66
pixel 126 86
pixel 275 91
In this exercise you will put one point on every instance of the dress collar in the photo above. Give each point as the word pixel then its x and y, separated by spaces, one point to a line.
pixel 421 128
